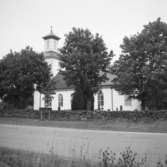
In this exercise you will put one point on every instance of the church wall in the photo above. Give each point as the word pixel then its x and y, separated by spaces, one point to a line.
pixel 54 65
pixel 38 100
pixel 107 99
pixel 95 102
pixel 42 100
pixel 66 99
pixel 40 103
pixel 119 100
pixel 50 45
pixel 113 101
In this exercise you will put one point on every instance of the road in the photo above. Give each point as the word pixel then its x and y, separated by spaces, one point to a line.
pixel 79 143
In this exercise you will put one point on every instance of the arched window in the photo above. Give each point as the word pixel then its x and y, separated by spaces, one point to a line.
pixel 100 100
pixel 48 101
pixel 60 100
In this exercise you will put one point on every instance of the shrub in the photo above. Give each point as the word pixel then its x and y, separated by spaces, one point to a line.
pixel 127 158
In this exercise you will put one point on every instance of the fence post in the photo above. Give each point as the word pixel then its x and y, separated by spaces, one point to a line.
pixel 41 114
pixel 49 113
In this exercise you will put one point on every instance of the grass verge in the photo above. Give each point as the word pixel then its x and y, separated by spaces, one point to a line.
pixel 115 124
pixel 18 158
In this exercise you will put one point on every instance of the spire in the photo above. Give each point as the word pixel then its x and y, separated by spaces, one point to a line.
pixel 51 31
pixel 51 35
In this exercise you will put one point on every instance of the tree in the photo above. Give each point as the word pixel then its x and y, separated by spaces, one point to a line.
pixel 84 61
pixel 18 72
pixel 142 67
pixel 78 102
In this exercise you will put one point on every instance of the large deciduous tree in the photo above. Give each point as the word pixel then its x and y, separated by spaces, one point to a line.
pixel 18 72
pixel 142 67
pixel 84 61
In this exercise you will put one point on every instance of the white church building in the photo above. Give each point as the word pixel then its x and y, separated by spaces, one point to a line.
pixel 107 98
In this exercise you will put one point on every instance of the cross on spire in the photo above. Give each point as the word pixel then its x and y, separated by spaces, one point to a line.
pixel 51 31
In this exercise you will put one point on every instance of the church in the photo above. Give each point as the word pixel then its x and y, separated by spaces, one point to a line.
pixel 106 99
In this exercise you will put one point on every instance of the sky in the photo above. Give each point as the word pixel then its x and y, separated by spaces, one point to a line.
pixel 24 22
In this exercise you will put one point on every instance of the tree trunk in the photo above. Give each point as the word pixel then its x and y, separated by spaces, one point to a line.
pixel 41 114
pixel 90 104
pixel 49 110
pixel 143 105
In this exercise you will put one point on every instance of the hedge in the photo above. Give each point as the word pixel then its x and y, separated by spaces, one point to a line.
pixel 104 115
pixel 19 113
pixel 85 115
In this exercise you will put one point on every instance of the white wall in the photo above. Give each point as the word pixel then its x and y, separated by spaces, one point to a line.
pixel 113 100
pixel 54 65
pixel 50 45
pixel 107 93
pixel 119 100
pixel 66 100
pixel 38 100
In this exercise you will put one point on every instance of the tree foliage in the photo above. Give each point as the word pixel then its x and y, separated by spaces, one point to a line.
pixel 18 72
pixel 84 61
pixel 142 67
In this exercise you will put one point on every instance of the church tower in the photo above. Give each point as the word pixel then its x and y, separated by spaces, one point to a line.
pixel 50 51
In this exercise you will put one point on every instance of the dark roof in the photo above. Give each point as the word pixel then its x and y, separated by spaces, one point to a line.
pixel 59 83
pixel 51 35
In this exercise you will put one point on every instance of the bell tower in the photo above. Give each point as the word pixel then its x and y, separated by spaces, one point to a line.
pixel 50 51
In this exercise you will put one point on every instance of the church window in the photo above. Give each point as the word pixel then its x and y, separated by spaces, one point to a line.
pixel 100 100
pixel 48 101
pixel 60 100
pixel 54 44
pixel 47 43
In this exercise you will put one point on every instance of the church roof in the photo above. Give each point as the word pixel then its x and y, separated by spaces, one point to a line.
pixel 59 83
pixel 51 35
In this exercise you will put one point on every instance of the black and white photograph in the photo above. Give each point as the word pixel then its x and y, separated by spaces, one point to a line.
pixel 83 83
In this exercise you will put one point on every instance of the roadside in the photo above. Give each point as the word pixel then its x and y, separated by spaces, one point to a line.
pixel 77 143
pixel 14 157
pixel 114 125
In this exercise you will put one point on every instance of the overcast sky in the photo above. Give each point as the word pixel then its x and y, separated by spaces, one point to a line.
pixel 24 22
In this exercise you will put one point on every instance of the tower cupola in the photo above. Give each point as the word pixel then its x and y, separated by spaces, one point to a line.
pixel 50 41
pixel 51 51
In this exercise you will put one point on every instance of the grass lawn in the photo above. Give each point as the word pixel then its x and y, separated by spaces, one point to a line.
pixel 115 125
